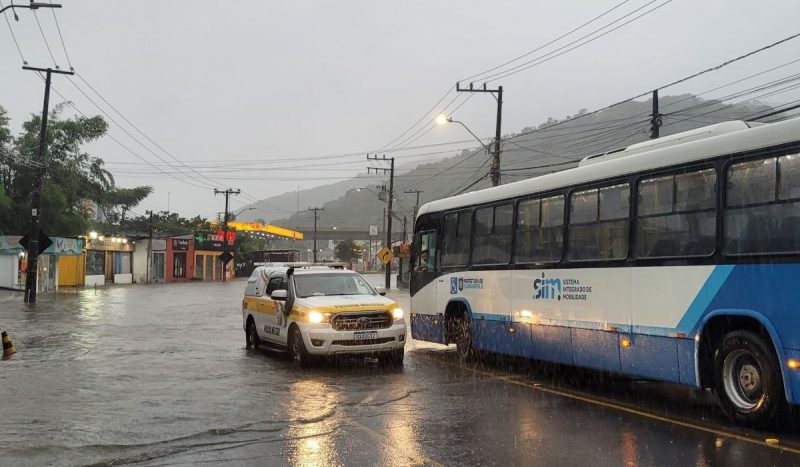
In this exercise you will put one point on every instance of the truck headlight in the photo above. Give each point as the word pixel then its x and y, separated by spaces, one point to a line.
pixel 315 317
pixel 397 313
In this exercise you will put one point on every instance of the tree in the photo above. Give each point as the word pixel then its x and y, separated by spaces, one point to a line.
pixel 347 251
pixel 118 201
pixel 72 176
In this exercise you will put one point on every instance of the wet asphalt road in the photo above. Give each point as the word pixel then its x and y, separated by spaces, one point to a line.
pixel 159 375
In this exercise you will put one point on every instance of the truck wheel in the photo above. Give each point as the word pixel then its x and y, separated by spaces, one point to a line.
pixel 747 379
pixel 297 349
pixel 251 335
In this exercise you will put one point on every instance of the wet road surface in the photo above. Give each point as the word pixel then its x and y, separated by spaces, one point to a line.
pixel 159 375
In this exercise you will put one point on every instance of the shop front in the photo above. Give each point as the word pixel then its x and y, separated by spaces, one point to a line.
pixel 109 260
pixel 209 246
pixel 14 263
pixel 179 259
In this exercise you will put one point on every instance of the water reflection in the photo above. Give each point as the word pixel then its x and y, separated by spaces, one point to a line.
pixel 312 409
pixel 630 449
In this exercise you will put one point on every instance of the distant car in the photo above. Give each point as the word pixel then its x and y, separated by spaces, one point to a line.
pixel 314 312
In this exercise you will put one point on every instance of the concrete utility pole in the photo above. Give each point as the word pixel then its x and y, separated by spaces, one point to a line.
pixel 494 171
pixel 315 210
pixel 416 204
pixel 31 276
pixel 655 118
pixel 390 170
pixel 227 194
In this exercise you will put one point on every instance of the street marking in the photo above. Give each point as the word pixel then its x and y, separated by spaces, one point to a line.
pixel 622 408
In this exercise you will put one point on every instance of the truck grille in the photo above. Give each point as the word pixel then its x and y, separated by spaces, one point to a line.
pixel 364 320
pixel 381 340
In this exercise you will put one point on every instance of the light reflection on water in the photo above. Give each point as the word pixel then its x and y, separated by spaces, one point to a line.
pixel 312 407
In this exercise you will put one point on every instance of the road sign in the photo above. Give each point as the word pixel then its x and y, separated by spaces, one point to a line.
pixel 385 255
pixel 225 257
pixel 44 242
pixel 373 230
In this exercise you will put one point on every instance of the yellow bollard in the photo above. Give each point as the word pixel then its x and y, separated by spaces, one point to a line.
pixel 8 347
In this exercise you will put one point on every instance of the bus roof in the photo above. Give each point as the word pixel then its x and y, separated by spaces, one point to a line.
pixel 682 148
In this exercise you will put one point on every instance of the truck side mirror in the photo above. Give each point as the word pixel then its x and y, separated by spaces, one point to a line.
pixel 381 290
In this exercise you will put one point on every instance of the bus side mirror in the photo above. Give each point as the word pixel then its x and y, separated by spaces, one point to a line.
pixel 381 290
pixel 278 295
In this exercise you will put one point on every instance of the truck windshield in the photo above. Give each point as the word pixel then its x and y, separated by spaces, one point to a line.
pixel 309 285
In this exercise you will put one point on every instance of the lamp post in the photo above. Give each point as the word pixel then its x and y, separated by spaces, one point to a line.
pixel 30 6
pixel 442 120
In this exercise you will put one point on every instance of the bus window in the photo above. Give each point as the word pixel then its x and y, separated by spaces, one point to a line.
pixel 455 243
pixel 598 226
pixel 540 230
pixel 676 215
pixel 492 235
pixel 762 213
pixel 425 246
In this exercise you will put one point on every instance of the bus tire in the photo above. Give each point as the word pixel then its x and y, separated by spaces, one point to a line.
pixel 297 349
pixel 747 379
pixel 251 335
pixel 462 334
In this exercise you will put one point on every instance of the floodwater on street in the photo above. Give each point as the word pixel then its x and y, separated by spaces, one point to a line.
pixel 159 375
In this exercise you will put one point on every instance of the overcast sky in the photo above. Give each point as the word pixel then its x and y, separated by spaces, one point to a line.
pixel 215 82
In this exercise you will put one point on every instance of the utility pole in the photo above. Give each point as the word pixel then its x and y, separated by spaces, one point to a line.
pixel 315 210
pixel 227 194
pixel 390 170
pixel 149 245
pixel 494 171
pixel 416 205
pixel 31 275
pixel 655 118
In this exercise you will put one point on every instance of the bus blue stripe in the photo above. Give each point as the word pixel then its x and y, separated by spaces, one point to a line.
pixel 707 293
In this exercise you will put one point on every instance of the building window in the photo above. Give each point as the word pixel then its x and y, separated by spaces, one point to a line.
pixel 179 265
pixel 540 230
pixel 492 234
pixel 95 263
pixel 455 242
pixel 598 225
pixel 676 215
pixel 762 214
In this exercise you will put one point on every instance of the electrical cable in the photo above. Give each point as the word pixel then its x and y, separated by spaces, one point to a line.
pixel 46 43
pixel 60 36
pixel 13 36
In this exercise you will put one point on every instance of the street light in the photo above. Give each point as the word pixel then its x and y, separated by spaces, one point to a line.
pixel 30 6
pixel 442 120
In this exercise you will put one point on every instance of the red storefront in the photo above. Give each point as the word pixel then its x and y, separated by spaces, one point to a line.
pixel 180 259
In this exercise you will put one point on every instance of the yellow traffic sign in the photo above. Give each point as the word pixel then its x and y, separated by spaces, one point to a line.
pixel 385 255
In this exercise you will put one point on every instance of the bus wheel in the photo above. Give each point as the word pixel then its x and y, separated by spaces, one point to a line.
pixel 747 379
pixel 297 349
pixel 462 334
pixel 251 335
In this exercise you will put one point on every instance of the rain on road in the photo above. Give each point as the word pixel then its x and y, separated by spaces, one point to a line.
pixel 159 375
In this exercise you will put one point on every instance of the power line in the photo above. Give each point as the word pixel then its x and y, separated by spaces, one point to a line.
pixel 46 43
pixel 60 36
pixel 544 58
pixel 469 78
pixel 13 36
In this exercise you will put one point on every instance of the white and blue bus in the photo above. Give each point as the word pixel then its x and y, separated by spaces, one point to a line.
pixel 676 259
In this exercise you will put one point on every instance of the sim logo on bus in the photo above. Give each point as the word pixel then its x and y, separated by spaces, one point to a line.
pixel 547 289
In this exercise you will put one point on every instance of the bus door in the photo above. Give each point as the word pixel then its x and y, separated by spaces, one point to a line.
pixel 423 273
